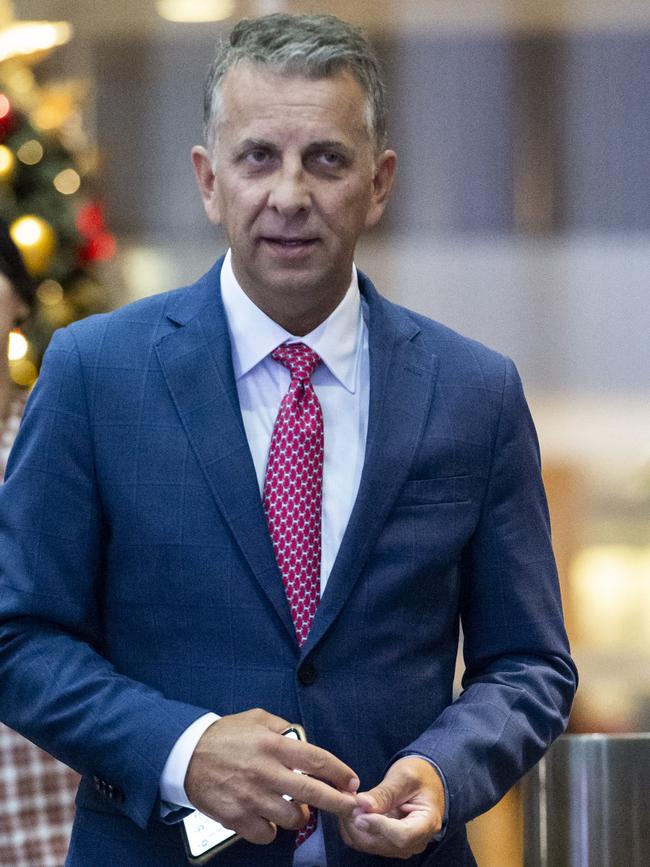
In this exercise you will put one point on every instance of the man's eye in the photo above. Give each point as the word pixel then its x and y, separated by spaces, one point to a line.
pixel 331 158
pixel 257 157
pixel 327 160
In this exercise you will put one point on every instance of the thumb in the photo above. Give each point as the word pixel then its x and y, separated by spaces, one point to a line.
pixel 388 795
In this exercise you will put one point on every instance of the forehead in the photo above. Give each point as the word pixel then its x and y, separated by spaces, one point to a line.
pixel 255 98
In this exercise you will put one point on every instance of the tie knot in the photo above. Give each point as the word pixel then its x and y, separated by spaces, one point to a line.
pixel 300 360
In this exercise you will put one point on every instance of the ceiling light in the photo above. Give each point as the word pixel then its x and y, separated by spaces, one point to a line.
pixel 195 11
pixel 30 37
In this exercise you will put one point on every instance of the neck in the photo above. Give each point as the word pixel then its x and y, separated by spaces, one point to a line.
pixel 298 312
pixel 298 306
pixel 297 322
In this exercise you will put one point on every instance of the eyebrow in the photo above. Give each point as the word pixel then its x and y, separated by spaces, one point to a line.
pixel 255 143
pixel 251 143
pixel 238 149
pixel 329 143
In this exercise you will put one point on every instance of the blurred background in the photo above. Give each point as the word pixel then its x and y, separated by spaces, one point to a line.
pixel 521 217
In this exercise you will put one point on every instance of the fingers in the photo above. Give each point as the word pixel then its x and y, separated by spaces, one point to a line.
pixel 411 779
pixel 384 798
pixel 319 764
pixel 242 769
pixel 398 817
pixel 259 825
pixel 287 814
pixel 307 790
pixel 324 781
pixel 377 834
pixel 257 830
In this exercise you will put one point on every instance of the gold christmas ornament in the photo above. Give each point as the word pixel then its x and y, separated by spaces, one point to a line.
pixel 30 153
pixel 67 182
pixel 18 345
pixel 23 372
pixel 36 240
pixel 50 293
pixel 7 164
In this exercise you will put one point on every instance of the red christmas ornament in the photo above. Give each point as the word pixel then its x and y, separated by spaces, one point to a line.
pixel 99 244
pixel 90 219
pixel 7 117
pixel 98 249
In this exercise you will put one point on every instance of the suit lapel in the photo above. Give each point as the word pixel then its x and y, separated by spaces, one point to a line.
pixel 402 376
pixel 196 362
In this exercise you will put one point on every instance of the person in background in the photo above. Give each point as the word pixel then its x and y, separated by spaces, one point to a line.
pixel 16 301
pixel 36 791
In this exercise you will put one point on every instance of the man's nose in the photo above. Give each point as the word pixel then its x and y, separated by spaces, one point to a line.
pixel 289 193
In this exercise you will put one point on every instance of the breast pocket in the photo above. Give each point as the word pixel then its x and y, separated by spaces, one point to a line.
pixel 425 492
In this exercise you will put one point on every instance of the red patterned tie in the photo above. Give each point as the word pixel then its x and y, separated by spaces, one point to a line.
pixel 294 484
pixel 293 490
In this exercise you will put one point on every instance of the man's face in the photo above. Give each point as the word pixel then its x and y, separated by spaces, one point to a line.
pixel 294 180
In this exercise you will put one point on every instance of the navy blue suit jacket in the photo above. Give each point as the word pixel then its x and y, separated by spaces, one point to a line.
pixel 138 585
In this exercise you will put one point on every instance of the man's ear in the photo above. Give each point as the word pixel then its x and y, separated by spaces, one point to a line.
pixel 204 174
pixel 382 184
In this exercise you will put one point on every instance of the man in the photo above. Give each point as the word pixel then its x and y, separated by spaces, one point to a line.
pixel 274 496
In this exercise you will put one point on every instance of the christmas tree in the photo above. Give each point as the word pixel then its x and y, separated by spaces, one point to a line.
pixel 47 167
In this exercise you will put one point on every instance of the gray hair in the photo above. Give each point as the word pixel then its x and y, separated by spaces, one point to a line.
pixel 313 46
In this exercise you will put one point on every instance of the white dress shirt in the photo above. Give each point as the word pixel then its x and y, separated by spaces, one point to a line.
pixel 341 383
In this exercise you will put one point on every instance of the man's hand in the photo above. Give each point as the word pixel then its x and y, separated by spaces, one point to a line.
pixel 242 766
pixel 400 816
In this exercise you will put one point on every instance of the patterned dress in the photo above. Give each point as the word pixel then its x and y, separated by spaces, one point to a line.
pixel 36 792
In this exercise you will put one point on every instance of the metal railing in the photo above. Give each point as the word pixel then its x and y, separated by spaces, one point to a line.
pixel 587 803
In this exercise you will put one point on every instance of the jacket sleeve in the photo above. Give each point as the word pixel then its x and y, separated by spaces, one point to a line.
pixel 519 678
pixel 56 687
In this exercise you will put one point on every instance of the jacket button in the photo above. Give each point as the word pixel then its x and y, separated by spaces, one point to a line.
pixel 113 793
pixel 307 673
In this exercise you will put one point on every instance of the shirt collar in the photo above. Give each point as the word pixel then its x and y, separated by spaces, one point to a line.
pixel 253 334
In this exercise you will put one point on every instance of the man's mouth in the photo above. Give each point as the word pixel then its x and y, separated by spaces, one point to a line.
pixel 288 243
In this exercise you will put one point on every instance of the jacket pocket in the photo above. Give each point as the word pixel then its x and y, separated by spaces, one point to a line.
pixel 424 492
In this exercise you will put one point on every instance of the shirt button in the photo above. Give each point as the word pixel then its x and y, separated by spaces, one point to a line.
pixel 307 673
